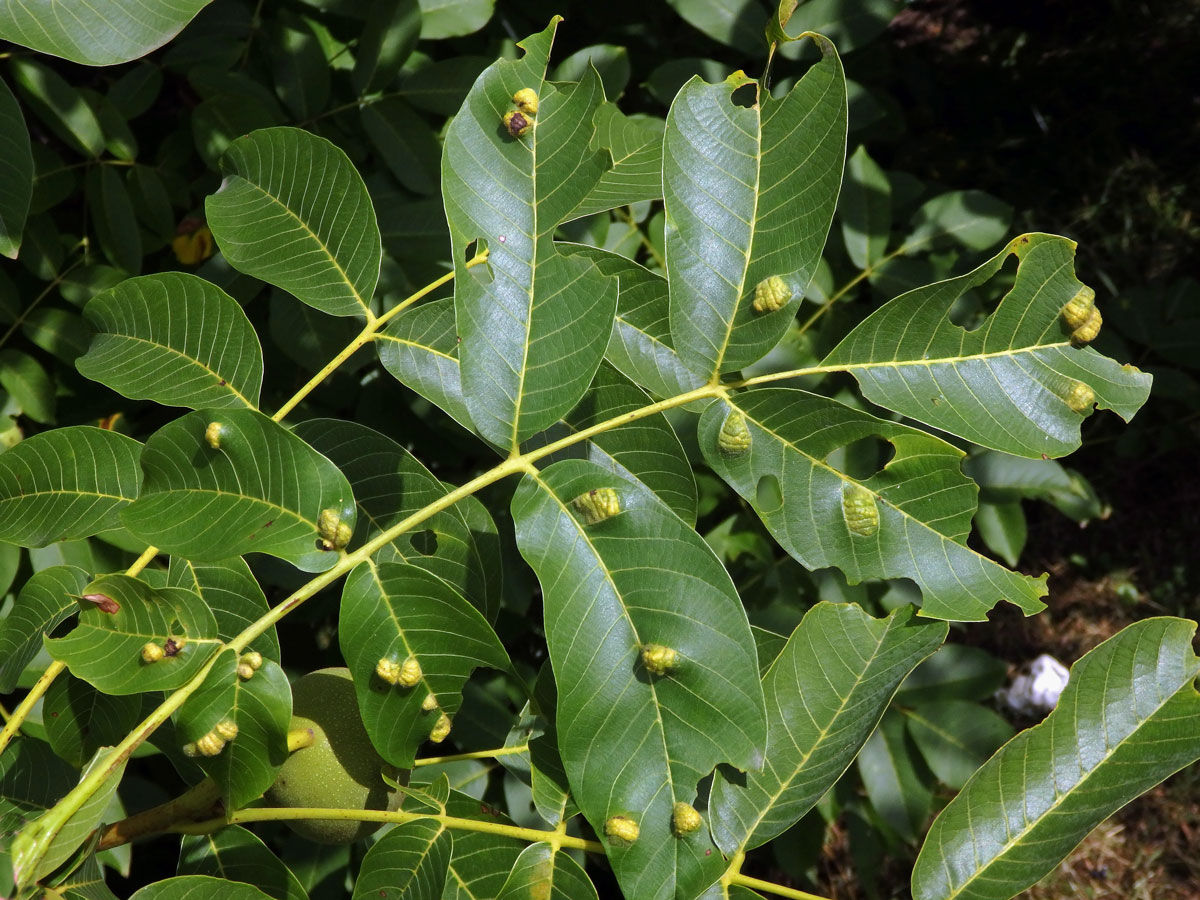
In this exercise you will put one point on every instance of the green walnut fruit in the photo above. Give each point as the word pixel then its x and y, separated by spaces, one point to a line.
pixel 341 769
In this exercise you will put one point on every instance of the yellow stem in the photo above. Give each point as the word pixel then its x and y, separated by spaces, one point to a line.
pixel 142 561
pixel 478 754
pixel 364 337
pixel 399 817
pixel 772 888
pixel 26 705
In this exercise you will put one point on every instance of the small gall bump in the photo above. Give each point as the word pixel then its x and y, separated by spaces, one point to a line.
pixel 516 123
pixel 1079 307
pixel 253 659
pixel 152 652
pixel 734 438
pixel 859 510
pixel 441 729
pixel 685 819
pixel 226 729
pixel 410 673
pixel 190 750
pixel 335 534
pixel 659 659
pixel 597 505
pixel 1079 397
pixel 771 294
pixel 429 704
pixel 1086 333
pixel 210 745
pixel 622 829
pixel 212 434
pixel 388 670
pixel 526 100
pixel 245 671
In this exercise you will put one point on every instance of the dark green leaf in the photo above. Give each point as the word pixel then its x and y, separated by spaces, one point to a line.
pixel 65 484
pixel 47 598
pixel 453 18
pixel 866 210
pixel 611 61
pixel 28 384
pixel 175 339
pixel 105 648
pixel 738 23
pixel 236 854
pixel 396 613
pixel 956 737
pixel 198 887
pixel 232 593
pixel 405 142
pixel 299 68
pixel 80 720
pixel 260 489
pixel 59 105
pixel 390 32
pixel 636 146
pixel 293 212
pixel 16 173
pixel 541 872
pixel 888 767
pixel 420 348
pixel 409 862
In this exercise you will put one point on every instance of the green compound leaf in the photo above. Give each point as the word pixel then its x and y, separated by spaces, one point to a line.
pixel 105 648
pixel 1006 385
pixel 398 612
pixel 66 484
pixel 58 104
pixel 633 578
pixel 29 385
pixel 640 346
pixel 1129 717
pixel 420 348
pixel 646 450
pixel 909 520
pixel 32 779
pixel 636 146
pixel 410 861
pixel 232 592
pixel 826 692
pixel 534 325
pixel 97 35
pixel 239 855
pixel 459 545
pixel 261 489
pixel 481 861
pixel 198 887
pixel 541 872
pixel 750 195
pixel 260 706
pixel 293 212
pixel 16 173
pixel 175 339
pixel 47 598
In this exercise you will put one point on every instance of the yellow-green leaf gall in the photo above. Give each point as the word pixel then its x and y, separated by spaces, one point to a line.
pixel 597 505
pixel 734 438
pixel 212 434
pixel 659 659
pixel 1079 307
pixel 1087 332
pixel 859 510
pixel 335 534
pixel 771 294
pixel 441 729
pixel 152 652
pixel 622 829
pixel 429 704
pixel 685 819
pixel 517 123
pixel 1079 397
pixel 526 100
pixel 226 729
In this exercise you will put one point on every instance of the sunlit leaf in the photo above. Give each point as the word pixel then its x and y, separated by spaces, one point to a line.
pixel 65 484
pixel 231 591
pixel 1129 717
pixel 542 872
pixel 175 339
pixel 750 194
pixel 910 519
pixel 105 648
pixel 293 212
pixel 1012 383
pixel 237 854
pixel 260 489
pixel 410 861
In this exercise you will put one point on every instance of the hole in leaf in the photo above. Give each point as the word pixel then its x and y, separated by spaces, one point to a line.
pixel 862 458
pixel 482 273
pixel 975 306
pixel 425 542
pixel 768 495
pixel 745 96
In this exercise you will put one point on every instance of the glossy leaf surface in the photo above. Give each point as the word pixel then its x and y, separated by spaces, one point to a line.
pixel 261 489
pixel 1129 717
pixel 231 591
pixel 826 692
pixel 1007 384
pixel 922 503
pixel 175 339
pixel 520 371
pixel 750 194
pixel 293 212
pixel 542 872
pixel 410 861
pixel 65 484
pixel 105 648
pixel 610 588
pixel 239 855
pixel 397 612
